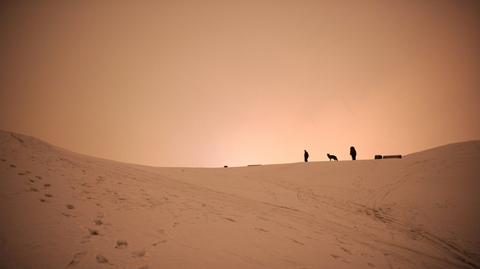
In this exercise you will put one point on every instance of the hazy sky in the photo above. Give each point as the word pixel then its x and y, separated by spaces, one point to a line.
pixel 213 83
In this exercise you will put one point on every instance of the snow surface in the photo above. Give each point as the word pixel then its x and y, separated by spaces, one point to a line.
pixel 59 209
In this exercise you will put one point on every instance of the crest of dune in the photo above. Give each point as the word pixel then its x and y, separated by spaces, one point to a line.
pixel 59 209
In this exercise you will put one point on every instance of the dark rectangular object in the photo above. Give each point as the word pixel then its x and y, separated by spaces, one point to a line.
pixel 378 157
pixel 392 156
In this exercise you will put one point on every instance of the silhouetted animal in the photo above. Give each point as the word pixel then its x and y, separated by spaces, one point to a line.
pixel 305 156
pixel 353 153
pixel 332 157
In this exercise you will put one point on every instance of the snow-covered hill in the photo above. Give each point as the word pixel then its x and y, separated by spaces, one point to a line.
pixel 59 209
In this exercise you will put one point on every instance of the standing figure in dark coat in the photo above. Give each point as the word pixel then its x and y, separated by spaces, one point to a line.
pixel 305 156
pixel 353 152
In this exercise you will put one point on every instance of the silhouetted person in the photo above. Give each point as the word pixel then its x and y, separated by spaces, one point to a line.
pixel 305 156
pixel 353 153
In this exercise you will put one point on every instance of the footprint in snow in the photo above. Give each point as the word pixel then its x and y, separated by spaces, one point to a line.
pixel 159 242
pixel 139 253
pixel 121 244
pixel 334 256
pixel 101 259
pixel 93 232
pixel 77 257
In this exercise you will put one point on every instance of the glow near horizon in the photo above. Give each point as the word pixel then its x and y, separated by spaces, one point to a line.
pixel 217 83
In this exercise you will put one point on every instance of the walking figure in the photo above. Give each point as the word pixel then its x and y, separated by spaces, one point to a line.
pixel 353 153
pixel 305 156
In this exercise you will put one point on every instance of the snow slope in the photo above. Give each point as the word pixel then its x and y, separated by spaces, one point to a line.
pixel 59 209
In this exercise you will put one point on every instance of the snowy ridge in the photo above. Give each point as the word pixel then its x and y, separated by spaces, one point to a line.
pixel 59 209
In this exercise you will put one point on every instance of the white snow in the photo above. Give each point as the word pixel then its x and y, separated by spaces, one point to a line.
pixel 59 209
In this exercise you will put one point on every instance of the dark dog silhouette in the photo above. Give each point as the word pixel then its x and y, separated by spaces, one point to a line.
pixel 332 157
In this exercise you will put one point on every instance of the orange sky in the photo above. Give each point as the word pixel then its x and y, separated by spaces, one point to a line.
pixel 208 83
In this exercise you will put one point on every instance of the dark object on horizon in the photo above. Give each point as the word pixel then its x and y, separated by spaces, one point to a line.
pixel 379 157
pixel 353 153
pixel 332 157
pixel 225 166
pixel 392 156
pixel 305 156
